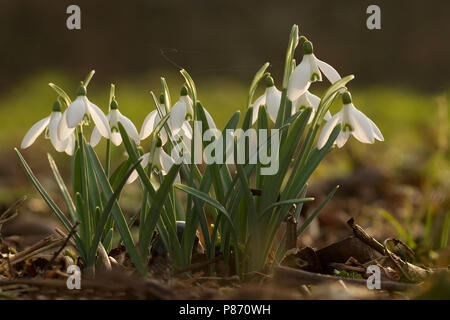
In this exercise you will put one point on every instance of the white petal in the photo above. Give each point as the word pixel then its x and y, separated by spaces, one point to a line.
pixel 303 102
pixel 144 163
pixel 313 99
pixel 63 129
pixel 75 112
pixel 342 138
pixel 113 118
pixel 327 129
pixel 273 101
pixel 149 124
pixel 163 135
pixel 327 116
pixel 70 144
pixel 177 116
pixel 165 161
pixel 362 128
pixel 299 81
pixel 315 75
pixel 34 132
pixel 99 118
pixel 258 102
pixel 189 104
pixel 315 102
pixel 129 128
pixel 95 137
pixel 187 130
pixel 116 138
pixel 376 131
pixel 55 118
pixel 328 71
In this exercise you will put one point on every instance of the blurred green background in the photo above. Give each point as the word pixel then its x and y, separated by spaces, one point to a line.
pixel 402 74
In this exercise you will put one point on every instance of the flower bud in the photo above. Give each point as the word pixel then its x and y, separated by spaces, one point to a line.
pixel 184 91
pixel 81 90
pixel 307 47
pixel 159 143
pixel 269 81
pixel 346 98
pixel 57 106
pixel 114 105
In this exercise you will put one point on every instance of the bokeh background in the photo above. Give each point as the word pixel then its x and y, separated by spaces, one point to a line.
pixel 402 83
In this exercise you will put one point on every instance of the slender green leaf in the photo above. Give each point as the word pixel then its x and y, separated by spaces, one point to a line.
pixel 62 218
pixel 256 79
pixel 156 208
pixel 106 213
pixel 286 202
pixel 119 219
pixel 314 214
pixel 62 187
pixel 61 93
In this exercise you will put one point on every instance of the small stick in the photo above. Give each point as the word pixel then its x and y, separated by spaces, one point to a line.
pixel 42 243
pixel 11 207
pixel 291 229
pixel 346 267
pixel 55 255
pixel 364 237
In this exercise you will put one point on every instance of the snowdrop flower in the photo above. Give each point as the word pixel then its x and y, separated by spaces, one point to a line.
pixel 50 125
pixel 178 121
pixel 181 151
pixel 309 100
pixel 353 122
pixel 80 110
pixel 152 120
pixel 160 160
pixel 114 117
pixel 271 99
pixel 309 70
pixel 180 113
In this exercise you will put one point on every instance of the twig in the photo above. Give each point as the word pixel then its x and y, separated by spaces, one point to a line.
pixel 411 272
pixel 11 207
pixel 55 255
pixel 42 243
pixel 364 237
pixel 291 229
pixel 346 267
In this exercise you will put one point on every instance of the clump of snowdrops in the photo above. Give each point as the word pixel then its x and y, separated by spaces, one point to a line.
pixel 237 209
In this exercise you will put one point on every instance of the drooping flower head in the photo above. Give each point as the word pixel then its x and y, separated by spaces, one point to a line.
pixel 159 160
pixel 49 125
pixel 152 120
pixel 114 117
pixel 181 113
pixel 309 100
pixel 80 110
pixel 309 70
pixel 353 122
pixel 271 98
